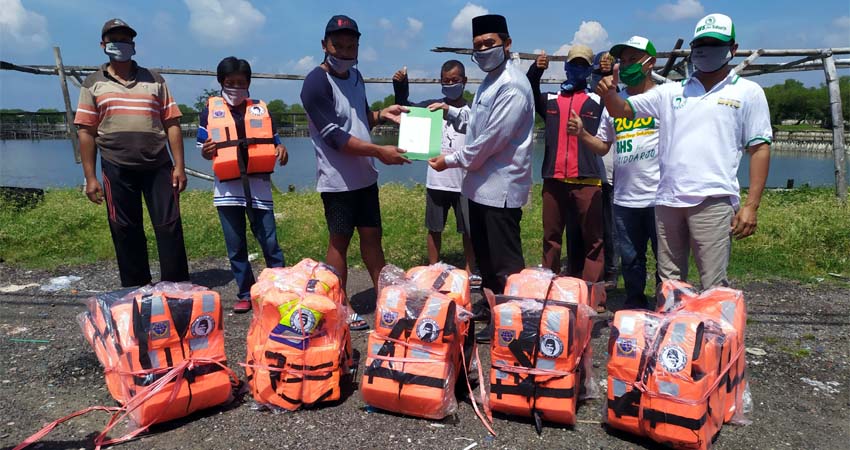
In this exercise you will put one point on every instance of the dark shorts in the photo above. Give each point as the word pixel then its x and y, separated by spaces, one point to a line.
pixel 437 204
pixel 345 211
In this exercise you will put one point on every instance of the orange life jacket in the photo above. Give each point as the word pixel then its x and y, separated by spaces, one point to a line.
pixel 542 283
pixel 413 354
pixel 672 293
pixel 667 376
pixel 258 148
pixel 535 354
pixel 727 306
pixel 299 345
pixel 445 279
pixel 137 340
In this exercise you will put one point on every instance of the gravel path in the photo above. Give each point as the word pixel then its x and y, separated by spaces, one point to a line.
pixel 800 382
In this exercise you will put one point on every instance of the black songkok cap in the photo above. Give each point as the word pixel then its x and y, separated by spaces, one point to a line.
pixel 490 23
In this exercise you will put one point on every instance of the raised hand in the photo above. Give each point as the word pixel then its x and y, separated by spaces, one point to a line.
pixel 401 74
pixel 542 61
pixel 574 125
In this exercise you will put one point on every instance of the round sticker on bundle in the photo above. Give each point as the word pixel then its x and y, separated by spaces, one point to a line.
pixel 303 321
pixel 427 330
pixel 388 319
pixel 551 346
pixel 673 358
pixel 257 110
pixel 202 326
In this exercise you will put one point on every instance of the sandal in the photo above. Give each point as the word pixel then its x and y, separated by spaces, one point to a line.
pixel 357 323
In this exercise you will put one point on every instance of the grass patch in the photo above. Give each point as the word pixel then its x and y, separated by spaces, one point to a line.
pixel 803 234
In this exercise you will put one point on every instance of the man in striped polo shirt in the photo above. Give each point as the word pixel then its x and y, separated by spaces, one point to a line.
pixel 127 112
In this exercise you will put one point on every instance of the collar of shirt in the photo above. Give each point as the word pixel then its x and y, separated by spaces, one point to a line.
pixel 133 71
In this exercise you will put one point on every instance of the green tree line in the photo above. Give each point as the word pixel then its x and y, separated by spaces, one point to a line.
pixel 793 101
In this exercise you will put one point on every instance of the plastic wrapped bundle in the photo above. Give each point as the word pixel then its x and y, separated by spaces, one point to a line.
pixel 667 376
pixel 413 355
pixel 299 345
pixel 141 336
pixel 671 294
pixel 535 282
pixel 444 278
pixel 536 353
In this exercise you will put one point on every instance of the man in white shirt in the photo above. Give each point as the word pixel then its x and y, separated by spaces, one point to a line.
pixel 635 167
pixel 706 123
pixel 496 156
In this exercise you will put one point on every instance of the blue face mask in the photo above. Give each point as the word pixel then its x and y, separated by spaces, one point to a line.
pixel 576 77
pixel 453 91
pixel 119 51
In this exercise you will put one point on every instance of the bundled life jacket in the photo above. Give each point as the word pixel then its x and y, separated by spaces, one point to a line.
pixel 536 353
pixel 235 157
pixel 727 307
pixel 671 294
pixel 446 279
pixel 414 353
pixel 299 346
pixel 542 283
pixel 138 339
pixel 667 376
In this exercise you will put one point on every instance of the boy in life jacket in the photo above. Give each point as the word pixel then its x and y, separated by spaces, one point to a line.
pixel 443 188
pixel 238 134
pixel 572 174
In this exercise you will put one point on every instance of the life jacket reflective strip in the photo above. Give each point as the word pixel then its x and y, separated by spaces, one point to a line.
pixel 138 341
pixel 297 350
pixel 413 354
pixel 666 376
pixel 259 139
pixel 535 354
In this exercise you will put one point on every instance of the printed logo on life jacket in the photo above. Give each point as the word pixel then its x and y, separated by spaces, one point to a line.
pixel 427 330
pixel 551 346
pixel 506 337
pixel 203 326
pixel 218 114
pixel 673 358
pixel 257 110
pixel 160 330
pixel 388 319
pixel 303 321
pixel 626 347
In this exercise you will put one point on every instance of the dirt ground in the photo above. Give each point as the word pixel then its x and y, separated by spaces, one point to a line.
pixel 798 367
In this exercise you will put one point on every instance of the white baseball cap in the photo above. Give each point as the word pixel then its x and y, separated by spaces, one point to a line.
pixel 717 26
pixel 637 42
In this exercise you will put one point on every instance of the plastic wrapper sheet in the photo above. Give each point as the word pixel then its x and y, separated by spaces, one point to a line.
pixel 539 357
pixel 140 335
pixel 299 345
pixel 414 353
pixel 676 377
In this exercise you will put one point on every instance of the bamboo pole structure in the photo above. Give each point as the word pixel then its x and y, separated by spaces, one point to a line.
pixel 677 53
pixel 837 128
pixel 69 112
pixel 748 60
pixel 670 61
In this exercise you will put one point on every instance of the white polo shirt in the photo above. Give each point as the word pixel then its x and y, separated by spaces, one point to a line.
pixel 703 135
pixel 635 157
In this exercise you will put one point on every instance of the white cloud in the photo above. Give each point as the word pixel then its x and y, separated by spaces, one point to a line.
pixel 461 29
pixel 368 54
pixel 385 23
pixel 223 22
pixel 413 25
pixel 20 28
pixel 591 34
pixel 838 33
pixel 682 9
pixel 304 65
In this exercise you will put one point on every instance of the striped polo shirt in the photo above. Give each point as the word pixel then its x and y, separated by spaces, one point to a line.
pixel 128 117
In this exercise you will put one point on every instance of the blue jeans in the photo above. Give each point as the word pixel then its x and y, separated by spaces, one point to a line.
pixel 635 226
pixel 262 225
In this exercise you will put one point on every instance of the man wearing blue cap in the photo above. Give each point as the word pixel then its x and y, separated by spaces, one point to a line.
pixel 707 121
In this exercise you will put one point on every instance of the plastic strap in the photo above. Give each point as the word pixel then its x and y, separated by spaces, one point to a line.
pixel 487 418
pixel 405 378
pixel 655 417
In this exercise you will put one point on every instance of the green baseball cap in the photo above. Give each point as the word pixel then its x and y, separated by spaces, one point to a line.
pixel 717 26
pixel 637 42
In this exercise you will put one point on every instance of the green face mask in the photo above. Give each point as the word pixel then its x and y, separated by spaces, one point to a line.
pixel 633 75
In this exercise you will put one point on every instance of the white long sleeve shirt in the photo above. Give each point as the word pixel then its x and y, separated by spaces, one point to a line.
pixel 499 140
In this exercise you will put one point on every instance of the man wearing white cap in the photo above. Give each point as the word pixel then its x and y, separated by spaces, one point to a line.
pixel 635 168
pixel 706 123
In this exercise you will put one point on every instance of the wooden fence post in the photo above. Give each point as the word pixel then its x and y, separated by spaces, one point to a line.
pixel 69 115
pixel 837 128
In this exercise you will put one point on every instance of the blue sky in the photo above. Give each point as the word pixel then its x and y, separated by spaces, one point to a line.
pixel 284 36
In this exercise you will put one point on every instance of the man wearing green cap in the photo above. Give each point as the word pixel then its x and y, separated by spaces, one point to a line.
pixel 706 122
pixel 635 168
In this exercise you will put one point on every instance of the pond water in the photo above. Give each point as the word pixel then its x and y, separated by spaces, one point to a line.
pixel 50 163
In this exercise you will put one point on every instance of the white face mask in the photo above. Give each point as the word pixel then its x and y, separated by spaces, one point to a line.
pixel 488 60
pixel 234 96
pixel 119 51
pixel 340 65
pixel 708 59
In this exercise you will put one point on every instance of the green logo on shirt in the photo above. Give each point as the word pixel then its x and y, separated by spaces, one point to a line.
pixel 679 102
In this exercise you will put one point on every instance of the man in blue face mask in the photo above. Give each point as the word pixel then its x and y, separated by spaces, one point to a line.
pixel 572 173
pixel 496 157
pixel 128 113
pixel 706 123
pixel 443 188
pixel 334 97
